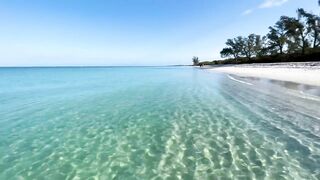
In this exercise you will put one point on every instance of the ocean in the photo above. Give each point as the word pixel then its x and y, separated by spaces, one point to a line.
pixel 155 123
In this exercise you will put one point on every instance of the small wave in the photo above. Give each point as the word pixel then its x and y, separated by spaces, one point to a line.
pixel 308 96
pixel 232 78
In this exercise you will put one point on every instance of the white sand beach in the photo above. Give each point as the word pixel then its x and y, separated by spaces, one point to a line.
pixel 304 73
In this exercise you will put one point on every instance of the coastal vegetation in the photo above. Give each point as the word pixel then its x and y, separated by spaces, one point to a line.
pixel 291 39
pixel 195 60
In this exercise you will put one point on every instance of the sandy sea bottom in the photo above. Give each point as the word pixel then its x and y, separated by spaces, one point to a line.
pixel 154 123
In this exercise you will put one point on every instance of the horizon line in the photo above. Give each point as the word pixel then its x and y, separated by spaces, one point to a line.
pixel 90 66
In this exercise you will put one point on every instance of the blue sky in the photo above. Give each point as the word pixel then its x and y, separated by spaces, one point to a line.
pixel 130 32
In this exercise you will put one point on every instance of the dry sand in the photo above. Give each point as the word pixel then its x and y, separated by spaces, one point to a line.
pixel 303 73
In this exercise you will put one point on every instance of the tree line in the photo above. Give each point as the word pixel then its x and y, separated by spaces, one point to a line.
pixel 289 39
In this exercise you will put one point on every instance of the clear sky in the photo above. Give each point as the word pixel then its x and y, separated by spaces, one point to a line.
pixel 130 32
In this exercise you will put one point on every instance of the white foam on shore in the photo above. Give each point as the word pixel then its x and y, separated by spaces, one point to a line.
pixel 232 78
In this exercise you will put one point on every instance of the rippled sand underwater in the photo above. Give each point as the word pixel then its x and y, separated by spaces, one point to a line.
pixel 153 123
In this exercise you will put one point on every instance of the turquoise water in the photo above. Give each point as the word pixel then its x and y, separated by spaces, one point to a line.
pixel 154 123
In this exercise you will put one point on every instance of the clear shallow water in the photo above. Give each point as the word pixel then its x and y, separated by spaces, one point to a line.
pixel 153 123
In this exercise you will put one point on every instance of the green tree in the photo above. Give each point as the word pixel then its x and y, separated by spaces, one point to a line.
pixel 260 48
pixel 293 46
pixel 312 21
pixel 296 31
pixel 277 36
pixel 289 35
pixel 195 60
pixel 248 45
pixel 253 45
pixel 236 46
pixel 227 52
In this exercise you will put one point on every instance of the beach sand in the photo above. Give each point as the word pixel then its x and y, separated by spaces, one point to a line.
pixel 298 72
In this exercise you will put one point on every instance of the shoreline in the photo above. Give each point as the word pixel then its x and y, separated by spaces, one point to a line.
pixel 303 73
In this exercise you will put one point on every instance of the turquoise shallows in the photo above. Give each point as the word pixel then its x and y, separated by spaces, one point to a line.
pixel 153 123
